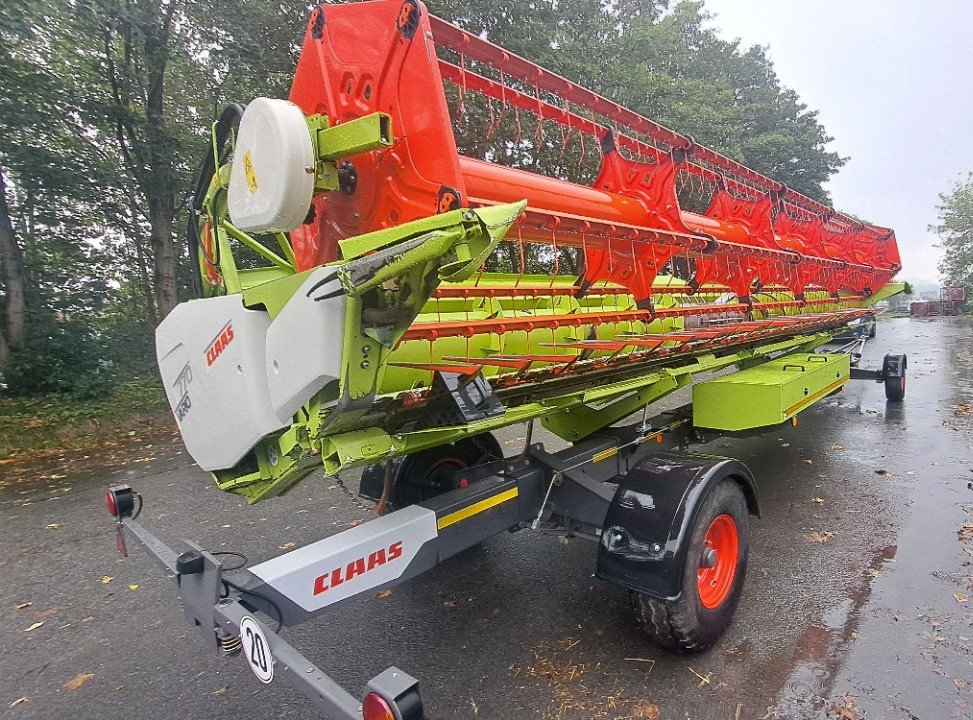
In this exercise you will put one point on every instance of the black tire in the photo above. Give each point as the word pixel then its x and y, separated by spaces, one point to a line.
pixel 686 624
pixel 872 331
pixel 428 473
pixel 895 388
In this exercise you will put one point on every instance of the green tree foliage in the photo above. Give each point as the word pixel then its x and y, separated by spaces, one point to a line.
pixel 955 230
pixel 664 61
pixel 105 107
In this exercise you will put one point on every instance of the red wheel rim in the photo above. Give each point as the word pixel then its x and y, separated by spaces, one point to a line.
pixel 718 561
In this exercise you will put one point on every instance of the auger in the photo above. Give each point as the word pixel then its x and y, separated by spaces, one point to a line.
pixel 382 284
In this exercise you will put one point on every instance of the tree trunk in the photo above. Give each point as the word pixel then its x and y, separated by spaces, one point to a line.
pixel 14 279
pixel 146 285
pixel 160 190
pixel 163 254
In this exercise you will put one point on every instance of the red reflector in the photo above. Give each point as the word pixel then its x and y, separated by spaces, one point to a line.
pixel 374 707
pixel 110 502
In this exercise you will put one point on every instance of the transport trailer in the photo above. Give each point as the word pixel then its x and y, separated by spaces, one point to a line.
pixel 669 525
pixel 376 290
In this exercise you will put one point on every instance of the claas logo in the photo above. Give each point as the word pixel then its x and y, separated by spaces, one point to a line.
pixel 217 347
pixel 357 568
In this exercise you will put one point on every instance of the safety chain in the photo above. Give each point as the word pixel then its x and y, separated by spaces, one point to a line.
pixel 351 496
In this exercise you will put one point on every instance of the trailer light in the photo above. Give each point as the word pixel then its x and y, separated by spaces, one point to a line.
pixel 120 500
pixel 374 707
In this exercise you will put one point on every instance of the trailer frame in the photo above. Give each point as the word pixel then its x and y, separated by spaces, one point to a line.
pixel 579 491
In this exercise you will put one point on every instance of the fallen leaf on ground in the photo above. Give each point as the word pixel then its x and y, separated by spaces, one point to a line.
pixel 34 626
pixel 836 446
pixel 52 526
pixel 820 537
pixel 960 597
pixel 844 713
pixel 645 710
pixel 133 586
pixel 23 605
pixel 106 579
pixel 384 593
pixel 287 546
pixel 76 682
pixel 817 500
pixel 221 691
pixel 19 701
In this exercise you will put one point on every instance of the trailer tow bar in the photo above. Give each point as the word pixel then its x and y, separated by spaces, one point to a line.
pixel 637 501
pixel 229 626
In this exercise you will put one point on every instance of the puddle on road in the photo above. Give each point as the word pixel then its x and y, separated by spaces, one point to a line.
pixel 822 648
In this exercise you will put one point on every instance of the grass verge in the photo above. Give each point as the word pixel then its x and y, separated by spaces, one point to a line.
pixel 39 425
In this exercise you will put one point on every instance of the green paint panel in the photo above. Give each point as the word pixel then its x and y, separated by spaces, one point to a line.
pixel 768 394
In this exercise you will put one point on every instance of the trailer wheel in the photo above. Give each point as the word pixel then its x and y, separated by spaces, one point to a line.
pixel 428 473
pixel 895 387
pixel 716 567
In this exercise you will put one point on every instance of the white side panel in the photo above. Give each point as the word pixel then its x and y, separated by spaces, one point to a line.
pixel 270 186
pixel 350 562
pixel 211 357
pixel 304 343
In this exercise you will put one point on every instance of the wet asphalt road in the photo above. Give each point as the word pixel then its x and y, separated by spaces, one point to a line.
pixel 855 604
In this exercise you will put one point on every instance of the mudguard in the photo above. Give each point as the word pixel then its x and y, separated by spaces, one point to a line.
pixel 894 366
pixel 646 532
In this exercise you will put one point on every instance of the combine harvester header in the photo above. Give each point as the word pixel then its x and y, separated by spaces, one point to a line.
pixel 354 341
pixel 383 284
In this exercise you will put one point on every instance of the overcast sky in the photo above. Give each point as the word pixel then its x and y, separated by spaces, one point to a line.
pixel 893 82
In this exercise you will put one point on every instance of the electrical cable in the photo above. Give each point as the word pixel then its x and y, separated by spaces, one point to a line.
pixel 243 559
pixel 227 584
pixel 280 615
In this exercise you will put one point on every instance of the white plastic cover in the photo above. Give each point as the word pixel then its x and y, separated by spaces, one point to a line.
pixel 346 564
pixel 304 342
pixel 211 356
pixel 270 185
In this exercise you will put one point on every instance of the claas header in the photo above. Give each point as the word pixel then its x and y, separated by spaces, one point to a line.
pixel 368 290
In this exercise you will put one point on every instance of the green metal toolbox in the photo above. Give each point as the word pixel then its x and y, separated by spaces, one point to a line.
pixel 769 394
